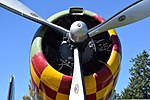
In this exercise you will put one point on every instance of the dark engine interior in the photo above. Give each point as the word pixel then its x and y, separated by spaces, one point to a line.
pixel 52 40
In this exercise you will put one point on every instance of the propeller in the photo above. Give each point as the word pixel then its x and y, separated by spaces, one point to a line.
pixel 77 91
pixel 11 91
pixel 17 7
pixel 78 34
pixel 133 13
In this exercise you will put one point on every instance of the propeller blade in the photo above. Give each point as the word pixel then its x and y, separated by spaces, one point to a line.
pixel 77 91
pixel 133 13
pixel 11 91
pixel 18 8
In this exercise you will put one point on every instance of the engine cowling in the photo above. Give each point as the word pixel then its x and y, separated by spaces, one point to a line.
pixel 51 59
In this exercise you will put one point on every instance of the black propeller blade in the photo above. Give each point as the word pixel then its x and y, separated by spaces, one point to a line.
pixel 133 13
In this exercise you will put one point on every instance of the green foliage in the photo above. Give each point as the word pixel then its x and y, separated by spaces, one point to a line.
pixel 31 93
pixel 139 85
pixel 26 98
pixel 117 96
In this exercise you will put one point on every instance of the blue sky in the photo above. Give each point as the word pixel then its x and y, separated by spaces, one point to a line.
pixel 16 34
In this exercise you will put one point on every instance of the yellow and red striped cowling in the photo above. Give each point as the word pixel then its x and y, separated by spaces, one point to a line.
pixel 53 85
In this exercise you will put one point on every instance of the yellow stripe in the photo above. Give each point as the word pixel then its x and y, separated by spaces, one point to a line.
pixel 51 78
pixel 90 84
pixel 112 32
pixel 44 97
pixel 61 96
pixel 116 73
pixel 100 94
pixel 115 76
pixel 114 61
pixel 34 76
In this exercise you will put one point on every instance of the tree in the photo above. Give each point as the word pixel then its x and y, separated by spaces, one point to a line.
pixel 31 93
pixel 26 97
pixel 139 84
pixel 116 96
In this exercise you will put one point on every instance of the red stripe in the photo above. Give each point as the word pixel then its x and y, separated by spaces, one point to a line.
pixel 48 91
pixel 91 96
pixel 65 84
pixel 39 63
pixel 103 78
pixel 116 43
pixel 99 18
pixel 34 84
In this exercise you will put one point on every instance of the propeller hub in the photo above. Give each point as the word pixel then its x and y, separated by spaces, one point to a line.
pixel 78 32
